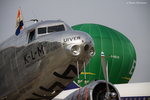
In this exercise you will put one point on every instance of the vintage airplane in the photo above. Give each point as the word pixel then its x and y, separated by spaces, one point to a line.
pixel 128 91
pixel 103 90
pixel 41 60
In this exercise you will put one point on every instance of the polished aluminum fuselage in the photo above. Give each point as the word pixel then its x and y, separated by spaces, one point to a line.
pixel 44 67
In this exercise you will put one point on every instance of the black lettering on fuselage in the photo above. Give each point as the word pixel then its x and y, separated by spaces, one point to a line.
pixel 72 39
pixel 25 59
pixel 40 50
pixel 33 55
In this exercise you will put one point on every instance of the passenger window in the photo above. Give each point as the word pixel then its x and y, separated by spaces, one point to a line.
pixel 56 28
pixel 42 30
pixel 31 36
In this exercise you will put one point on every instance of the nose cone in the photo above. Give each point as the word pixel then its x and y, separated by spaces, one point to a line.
pixel 78 44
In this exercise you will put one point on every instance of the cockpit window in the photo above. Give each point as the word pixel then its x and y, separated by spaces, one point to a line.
pixel 56 28
pixel 42 30
pixel 31 36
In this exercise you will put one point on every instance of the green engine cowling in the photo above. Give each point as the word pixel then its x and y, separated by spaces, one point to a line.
pixel 119 52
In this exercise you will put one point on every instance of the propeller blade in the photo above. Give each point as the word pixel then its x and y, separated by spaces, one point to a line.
pixel 105 71
pixel 103 64
pixel 107 80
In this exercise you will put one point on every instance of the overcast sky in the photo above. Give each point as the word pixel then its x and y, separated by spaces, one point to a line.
pixel 130 17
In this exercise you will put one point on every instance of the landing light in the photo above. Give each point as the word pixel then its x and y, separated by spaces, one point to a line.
pixel 73 50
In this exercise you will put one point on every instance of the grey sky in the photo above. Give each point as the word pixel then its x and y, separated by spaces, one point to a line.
pixel 126 16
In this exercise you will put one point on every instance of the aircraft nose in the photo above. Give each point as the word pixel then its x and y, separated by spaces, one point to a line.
pixel 78 44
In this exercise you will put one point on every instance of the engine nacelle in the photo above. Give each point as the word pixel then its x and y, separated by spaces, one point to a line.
pixel 96 90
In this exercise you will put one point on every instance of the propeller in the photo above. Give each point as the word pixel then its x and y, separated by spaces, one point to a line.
pixel 108 94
